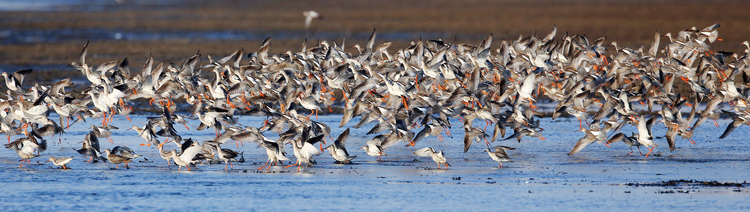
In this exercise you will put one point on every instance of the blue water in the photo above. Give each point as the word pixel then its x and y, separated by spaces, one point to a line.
pixel 78 5
pixel 19 36
pixel 542 176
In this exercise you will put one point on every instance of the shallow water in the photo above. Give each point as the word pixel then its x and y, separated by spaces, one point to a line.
pixel 78 5
pixel 542 176
pixel 22 36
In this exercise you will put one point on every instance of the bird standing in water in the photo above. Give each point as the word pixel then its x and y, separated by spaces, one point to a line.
pixel 500 155
pixel 338 149
pixel 438 156
pixel 120 154
pixel 60 161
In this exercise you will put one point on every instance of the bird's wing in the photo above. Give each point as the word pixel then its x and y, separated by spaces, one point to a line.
pixel 503 148
pixel 424 152
pixel 230 153
pixel 650 124
pixel 21 74
pixel 341 140
pixel 371 41
pixel 65 160
pixel 315 139
pixel 499 131
pixel 500 151
pixel 467 140
pixel 617 137
pixel 310 149
pixel 185 145
pixel 655 45
pixel 83 53
pixel 582 143
pixel 736 123
pixel 515 135
pixel 374 142
pixel 551 35
pixel 671 135
pixel 422 134
pixel 528 84
pixel 190 152
pixel 122 150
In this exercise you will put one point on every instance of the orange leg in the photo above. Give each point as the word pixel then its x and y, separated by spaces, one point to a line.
pixel 580 124
pixel 649 151
pixel 405 102
pixel 269 160
pixel 104 120
pixel 292 165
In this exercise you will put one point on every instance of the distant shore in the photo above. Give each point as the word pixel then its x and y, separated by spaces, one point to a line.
pixel 220 26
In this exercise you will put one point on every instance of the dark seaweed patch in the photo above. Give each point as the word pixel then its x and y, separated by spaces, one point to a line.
pixel 683 182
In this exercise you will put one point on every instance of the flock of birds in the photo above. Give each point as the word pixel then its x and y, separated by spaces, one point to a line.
pixel 412 94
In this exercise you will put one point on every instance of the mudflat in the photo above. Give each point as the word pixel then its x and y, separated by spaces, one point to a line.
pixel 50 38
